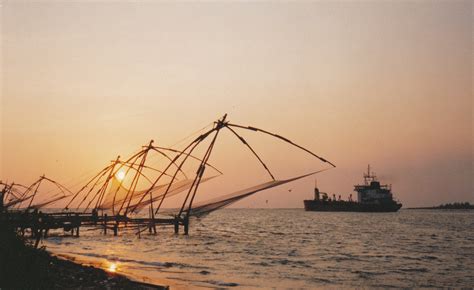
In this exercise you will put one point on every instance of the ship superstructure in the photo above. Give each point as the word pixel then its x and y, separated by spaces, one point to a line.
pixel 372 191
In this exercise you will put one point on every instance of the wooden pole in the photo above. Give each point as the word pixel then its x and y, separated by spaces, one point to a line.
pixel 220 124
pixel 176 224
pixel 135 179
pixel 282 138
pixel 186 225
pixel 78 224
pixel 194 145
pixel 105 224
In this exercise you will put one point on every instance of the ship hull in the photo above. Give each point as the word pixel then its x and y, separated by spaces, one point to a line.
pixel 319 205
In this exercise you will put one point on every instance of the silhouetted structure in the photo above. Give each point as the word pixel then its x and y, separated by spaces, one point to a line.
pixel 106 202
pixel 371 197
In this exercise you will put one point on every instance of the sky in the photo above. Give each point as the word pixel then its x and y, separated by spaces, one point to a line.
pixel 382 82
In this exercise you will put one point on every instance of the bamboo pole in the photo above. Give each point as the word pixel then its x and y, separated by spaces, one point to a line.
pixel 253 151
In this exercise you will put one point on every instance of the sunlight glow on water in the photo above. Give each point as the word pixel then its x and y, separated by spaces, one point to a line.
pixel 112 267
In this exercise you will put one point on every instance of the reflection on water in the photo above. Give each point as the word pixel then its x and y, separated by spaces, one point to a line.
pixel 112 267
pixel 293 248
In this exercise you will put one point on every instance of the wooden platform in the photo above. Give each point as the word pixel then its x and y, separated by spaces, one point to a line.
pixel 39 224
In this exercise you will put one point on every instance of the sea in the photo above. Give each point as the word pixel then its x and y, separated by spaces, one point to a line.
pixel 290 248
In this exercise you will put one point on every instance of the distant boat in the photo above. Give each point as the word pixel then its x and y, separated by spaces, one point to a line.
pixel 371 197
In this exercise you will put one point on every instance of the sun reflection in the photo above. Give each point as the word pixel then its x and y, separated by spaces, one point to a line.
pixel 112 267
pixel 120 175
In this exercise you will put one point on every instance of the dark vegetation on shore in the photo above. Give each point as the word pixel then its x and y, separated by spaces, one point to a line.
pixel 455 205
pixel 24 267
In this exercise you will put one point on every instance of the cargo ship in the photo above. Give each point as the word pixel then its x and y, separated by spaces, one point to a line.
pixel 371 197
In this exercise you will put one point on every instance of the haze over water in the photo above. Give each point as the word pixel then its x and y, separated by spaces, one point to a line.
pixel 262 248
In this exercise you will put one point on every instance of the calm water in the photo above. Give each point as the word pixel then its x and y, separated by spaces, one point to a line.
pixel 293 248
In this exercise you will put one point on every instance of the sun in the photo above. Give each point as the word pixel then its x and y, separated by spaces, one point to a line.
pixel 120 175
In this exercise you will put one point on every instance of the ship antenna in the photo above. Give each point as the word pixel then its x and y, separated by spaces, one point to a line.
pixel 367 176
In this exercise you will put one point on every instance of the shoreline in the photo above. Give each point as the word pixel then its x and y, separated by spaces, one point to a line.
pixel 23 266
pixel 99 276
pixel 438 208
pixel 101 265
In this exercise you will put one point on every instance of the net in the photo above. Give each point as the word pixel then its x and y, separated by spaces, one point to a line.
pixel 139 200
pixel 206 207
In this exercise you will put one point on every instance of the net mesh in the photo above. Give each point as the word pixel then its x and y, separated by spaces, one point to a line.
pixel 206 207
pixel 139 199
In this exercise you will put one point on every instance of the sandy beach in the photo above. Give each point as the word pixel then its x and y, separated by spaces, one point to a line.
pixel 22 266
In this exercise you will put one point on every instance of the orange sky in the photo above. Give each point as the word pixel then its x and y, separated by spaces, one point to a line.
pixel 388 84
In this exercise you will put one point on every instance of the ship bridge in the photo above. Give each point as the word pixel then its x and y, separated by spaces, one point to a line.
pixel 372 191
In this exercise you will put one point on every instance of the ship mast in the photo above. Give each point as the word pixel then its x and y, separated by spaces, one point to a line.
pixel 369 177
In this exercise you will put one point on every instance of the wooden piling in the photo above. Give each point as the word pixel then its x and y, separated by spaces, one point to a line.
pixel 77 223
pixel 186 225
pixel 176 225
pixel 105 224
